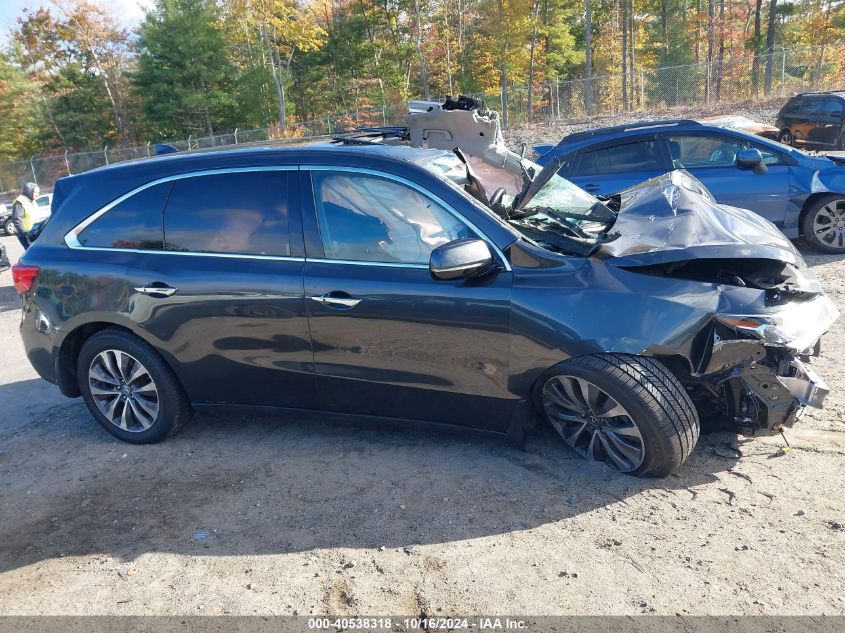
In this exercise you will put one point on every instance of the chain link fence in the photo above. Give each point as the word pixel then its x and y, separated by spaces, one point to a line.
pixel 739 79
pixel 746 78
pixel 46 170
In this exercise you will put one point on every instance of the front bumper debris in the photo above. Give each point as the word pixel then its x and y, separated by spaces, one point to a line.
pixel 805 385
pixel 762 400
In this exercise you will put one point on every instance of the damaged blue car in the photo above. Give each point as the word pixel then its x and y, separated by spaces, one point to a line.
pixel 803 194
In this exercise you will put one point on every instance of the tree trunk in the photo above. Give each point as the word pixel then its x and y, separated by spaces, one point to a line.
pixel 711 44
pixel 420 54
pixel 588 56
pixel 535 13
pixel 503 50
pixel 721 63
pixel 770 47
pixel 697 31
pixel 631 44
pixel 755 64
pixel 624 21
pixel 280 91
pixel 448 50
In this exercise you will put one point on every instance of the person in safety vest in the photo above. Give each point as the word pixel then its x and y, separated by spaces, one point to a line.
pixel 24 212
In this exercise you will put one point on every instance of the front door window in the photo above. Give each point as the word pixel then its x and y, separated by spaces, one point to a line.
pixel 372 219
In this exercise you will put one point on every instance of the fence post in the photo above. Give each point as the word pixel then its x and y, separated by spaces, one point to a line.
pixel 383 116
pixel 67 164
pixel 329 124
pixel 677 88
pixel 32 167
pixel 105 154
pixel 236 136
pixel 782 71
pixel 148 149
pixel 557 99
pixel 189 141
pixel 642 90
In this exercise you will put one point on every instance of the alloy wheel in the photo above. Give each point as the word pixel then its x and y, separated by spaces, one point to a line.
pixel 829 224
pixel 123 390
pixel 786 138
pixel 593 423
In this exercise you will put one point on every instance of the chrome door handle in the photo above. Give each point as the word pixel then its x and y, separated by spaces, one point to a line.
pixel 338 302
pixel 156 290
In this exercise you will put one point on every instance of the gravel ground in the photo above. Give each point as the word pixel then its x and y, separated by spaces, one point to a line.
pixel 299 515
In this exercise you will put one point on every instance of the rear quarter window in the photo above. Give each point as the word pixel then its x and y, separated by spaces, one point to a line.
pixel 792 106
pixel 132 223
pixel 625 157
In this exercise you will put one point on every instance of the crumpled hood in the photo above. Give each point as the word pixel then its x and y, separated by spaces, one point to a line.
pixel 673 217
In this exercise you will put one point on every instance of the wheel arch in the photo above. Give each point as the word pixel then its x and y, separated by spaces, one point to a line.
pixel 71 345
pixel 677 364
pixel 810 201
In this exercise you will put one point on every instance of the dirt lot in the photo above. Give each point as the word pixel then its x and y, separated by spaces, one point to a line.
pixel 297 515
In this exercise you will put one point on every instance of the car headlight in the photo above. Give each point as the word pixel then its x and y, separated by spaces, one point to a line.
pixel 763 328
pixel 798 326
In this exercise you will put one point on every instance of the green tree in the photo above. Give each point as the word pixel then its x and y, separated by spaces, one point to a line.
pixel 184 77
pixel 20 111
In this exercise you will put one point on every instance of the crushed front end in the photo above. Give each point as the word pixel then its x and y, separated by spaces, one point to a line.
pixel 752 360
pixel 756 366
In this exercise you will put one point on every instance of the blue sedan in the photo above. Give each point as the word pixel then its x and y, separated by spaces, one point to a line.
pixel 802 194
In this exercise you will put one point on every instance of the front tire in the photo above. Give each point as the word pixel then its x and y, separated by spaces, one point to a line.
pixel 9 228
pixel 786 138
pixel 129 389
pixel 627 411
pixel 823 224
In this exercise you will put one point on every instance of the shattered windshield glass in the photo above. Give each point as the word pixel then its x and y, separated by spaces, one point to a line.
pixel 560 216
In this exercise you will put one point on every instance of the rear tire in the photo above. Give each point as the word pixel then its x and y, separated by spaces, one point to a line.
pixel 9 228
pixel 823 224
pixel 634 414
pixel 129 389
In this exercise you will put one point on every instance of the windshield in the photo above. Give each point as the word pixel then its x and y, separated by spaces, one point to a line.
pixel 560 216
pixel 558 194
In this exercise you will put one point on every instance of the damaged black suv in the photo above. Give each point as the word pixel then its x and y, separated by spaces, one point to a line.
pixel 427 274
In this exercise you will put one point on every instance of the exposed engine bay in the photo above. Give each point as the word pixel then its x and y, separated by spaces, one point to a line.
pixel 767 311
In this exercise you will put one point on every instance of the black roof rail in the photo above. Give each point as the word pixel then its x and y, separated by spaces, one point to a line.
pixel 368 135
pixel 837 92
pixel 628 127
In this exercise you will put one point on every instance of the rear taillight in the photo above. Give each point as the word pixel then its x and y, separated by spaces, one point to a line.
pixel 24 276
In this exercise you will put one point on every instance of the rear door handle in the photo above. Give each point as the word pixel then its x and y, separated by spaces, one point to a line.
pixel 156 288
pixel 337 299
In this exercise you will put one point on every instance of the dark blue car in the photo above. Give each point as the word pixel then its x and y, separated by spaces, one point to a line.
pixel 801 194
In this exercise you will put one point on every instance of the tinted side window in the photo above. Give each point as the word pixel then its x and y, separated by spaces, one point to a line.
pixel 133 223
pixel 367 218
pixel 834 108
pixel 792 106
pixel 816 106
pixel 242 213
pixel 641 156
pixel 701 150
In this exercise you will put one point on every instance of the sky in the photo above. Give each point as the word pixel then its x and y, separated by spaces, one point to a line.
pixel 128 13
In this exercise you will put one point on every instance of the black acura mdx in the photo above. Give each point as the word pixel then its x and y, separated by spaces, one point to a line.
pixel 422 273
